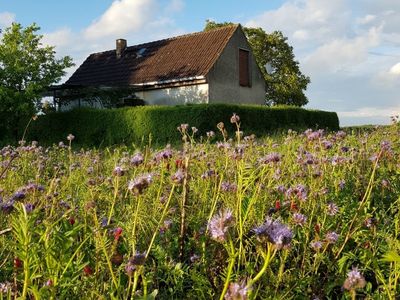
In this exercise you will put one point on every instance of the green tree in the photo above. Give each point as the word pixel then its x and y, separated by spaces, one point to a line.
pixel 27 69
pixel 285 84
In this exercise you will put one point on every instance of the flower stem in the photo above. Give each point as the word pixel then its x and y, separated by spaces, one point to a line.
pixel 232 258
pixel 267 258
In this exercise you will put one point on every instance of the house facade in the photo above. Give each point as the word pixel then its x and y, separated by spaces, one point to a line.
pixel 216 66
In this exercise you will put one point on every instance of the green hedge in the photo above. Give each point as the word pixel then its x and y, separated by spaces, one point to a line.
pixel 133 125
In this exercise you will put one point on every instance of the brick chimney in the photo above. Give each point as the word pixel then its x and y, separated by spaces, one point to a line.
pixel 120 47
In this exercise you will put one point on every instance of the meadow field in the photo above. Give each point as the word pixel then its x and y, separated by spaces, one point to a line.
pixel 301 215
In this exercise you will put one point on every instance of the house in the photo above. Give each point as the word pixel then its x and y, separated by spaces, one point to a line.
pixel 216 66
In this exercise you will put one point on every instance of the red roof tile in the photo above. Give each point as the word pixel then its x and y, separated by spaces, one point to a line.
pixel 179 57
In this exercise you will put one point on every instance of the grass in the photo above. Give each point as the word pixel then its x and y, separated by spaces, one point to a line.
pixel 294 216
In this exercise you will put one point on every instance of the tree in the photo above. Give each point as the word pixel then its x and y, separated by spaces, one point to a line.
pixel 285 84
pixel 27 69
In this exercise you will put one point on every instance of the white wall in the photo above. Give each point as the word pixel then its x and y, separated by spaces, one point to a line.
pixel 176 95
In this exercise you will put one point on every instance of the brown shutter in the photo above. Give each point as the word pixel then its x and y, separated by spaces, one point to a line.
pixel 244 76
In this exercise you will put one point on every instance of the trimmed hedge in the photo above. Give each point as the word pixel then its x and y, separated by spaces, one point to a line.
pixel 135 124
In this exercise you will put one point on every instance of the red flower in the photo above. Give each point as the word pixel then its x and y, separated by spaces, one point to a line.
pixel 17 263
pixel 277 205
pixel 117 233
pixel 71 221
pixel 87 270
pixel 293 206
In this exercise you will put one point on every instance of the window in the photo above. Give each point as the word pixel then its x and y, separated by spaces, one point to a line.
pixel 244 68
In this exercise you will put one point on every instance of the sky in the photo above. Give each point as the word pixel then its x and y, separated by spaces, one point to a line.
pixel 349 48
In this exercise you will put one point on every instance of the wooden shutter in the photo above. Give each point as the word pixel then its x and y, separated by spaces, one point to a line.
pixel 244 70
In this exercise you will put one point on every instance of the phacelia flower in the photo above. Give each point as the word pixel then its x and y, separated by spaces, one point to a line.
pixel 299 219
pixel 280 235
pixel 219 225
pixel 237 291
pixel 316 245
pixel 354 280
pixel 137 159
pixel 331 237
pixel 332 209
pixel 118 171
pixel 228 187
pixel 138 259
pixel 273 157
pixel 140 183
pixel 178 177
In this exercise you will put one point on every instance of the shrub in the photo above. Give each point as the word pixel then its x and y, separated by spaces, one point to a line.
pixel 136 124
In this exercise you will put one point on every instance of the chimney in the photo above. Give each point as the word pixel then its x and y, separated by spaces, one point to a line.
pixel 120 47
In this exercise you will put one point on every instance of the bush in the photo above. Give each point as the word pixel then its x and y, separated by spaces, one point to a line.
pixel 136 124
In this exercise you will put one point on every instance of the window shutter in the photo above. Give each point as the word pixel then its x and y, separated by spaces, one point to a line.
pixel 244 70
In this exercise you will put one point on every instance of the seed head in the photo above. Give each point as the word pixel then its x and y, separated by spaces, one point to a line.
pixel 235 118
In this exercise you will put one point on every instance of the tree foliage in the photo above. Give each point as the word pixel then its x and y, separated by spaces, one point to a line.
pixel 27 69
pixel 285 84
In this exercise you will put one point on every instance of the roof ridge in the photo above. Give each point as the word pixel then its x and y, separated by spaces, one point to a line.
pixel 173 38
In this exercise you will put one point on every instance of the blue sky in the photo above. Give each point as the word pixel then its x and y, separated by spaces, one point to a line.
pixel 349 48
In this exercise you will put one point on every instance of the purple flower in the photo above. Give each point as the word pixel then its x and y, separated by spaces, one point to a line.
pixel 178 177
pixel 327 144
pixel 163 154
pixel 273 157
pixel 140 183
pixel 342 184
pixel 316 245
pixel 7 207
pixel 299 219
pixel 208 174
pixel 331 237
pixel 228 187
pixel 70 137
pixel 136 260
pixel 280 235
pixel 19 195
pixel 237 291
pixel 137 159
pixel 332 209
pixel 29 207
pixel 354 280
pixel 220 224
pixel 298 191
pixel 118 171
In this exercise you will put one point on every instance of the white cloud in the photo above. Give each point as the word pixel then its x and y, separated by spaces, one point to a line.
pixel 135 20
pixel 395 70
pixel 175 6
pixel 342 53
pixel 350 49
pixel 366 19
pixel 6 19
pixel 121 17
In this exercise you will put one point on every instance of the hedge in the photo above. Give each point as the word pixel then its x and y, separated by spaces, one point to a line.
pixel 96 127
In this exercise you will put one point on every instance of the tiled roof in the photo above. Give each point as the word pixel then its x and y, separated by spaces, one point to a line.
pixel 175 58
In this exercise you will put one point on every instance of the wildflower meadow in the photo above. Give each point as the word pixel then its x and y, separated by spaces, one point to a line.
pixel 300 215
